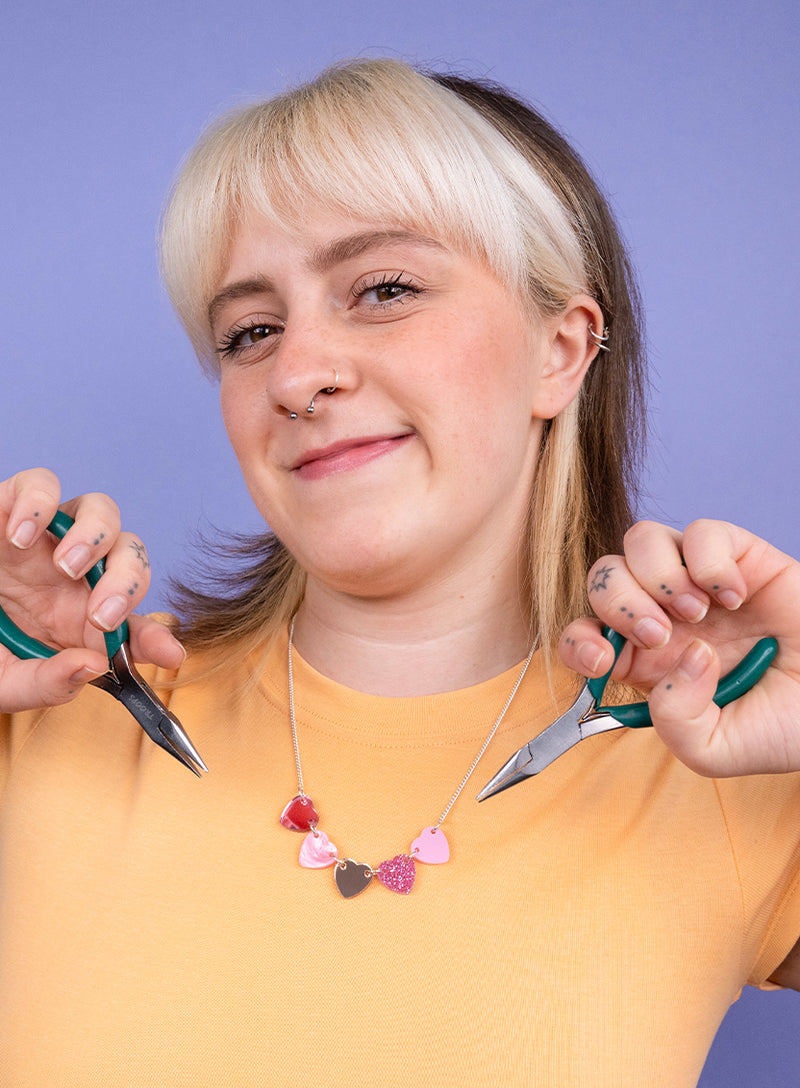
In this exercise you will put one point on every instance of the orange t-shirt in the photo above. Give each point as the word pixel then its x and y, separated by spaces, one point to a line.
pixel 591 927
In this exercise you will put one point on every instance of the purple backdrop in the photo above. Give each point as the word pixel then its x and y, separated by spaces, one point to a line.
pixel 686 113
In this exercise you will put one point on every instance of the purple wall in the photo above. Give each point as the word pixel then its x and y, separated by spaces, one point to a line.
pixel 687 114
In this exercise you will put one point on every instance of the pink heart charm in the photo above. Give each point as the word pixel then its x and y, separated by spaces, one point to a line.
pixel 299 814
pixel 317 851
pixel 431 846
pixel 398 874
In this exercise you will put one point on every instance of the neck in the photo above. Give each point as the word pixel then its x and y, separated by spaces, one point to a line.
pixel 421 644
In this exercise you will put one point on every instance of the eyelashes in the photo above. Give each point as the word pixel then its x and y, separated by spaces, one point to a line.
pixel 246 336
pixel 377 294
pixel 387 289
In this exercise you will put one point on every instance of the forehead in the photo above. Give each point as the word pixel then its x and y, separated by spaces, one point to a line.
pixel 260 245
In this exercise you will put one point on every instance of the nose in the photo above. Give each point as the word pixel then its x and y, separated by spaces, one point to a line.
pixel 329 389
pixel 304 369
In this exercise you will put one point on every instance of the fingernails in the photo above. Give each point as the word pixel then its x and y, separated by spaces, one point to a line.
pixel 589 658
pixel 730 599
pixel 650 632
pixel 694 660
pixel 111 613
pixel 76 559
pixel 690 607
pixel 84 675
pixel 24 534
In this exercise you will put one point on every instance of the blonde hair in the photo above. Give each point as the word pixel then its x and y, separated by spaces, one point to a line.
pixel 453 158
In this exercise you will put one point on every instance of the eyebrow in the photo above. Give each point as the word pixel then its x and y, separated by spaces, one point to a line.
pixel 344 249
pixel 323 259
pixel 256 285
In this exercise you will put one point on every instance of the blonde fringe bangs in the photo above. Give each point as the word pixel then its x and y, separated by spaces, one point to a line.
pixel 377 142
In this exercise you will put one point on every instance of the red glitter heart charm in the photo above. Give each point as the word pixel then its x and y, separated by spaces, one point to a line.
pixel 398 874
pixel 300 814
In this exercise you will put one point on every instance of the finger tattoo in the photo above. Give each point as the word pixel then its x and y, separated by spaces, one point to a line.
pixel 600 579
pixel 141 553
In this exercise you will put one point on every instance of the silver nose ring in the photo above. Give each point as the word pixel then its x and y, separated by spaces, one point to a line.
pixel 328 389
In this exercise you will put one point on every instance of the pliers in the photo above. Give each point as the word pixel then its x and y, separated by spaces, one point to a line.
pixel 585 718
pixel 122 679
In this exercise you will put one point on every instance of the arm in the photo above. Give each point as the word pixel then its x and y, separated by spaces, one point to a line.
pixel 788 974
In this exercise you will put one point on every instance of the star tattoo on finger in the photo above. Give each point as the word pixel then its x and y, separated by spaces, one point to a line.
pixel 141 553
pixel 600 579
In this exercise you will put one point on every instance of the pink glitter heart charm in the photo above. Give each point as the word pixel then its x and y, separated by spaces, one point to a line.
pixel 431 846
pixel 398 874
pixel 317 851
pixel 299 814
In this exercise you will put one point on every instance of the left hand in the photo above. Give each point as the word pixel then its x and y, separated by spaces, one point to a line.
pixel 691 605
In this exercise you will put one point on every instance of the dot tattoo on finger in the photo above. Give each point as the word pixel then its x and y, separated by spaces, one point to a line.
pixel 102 536
pixel 666 590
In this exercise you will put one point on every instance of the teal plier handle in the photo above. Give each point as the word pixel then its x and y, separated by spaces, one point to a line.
pixel 122 680
pixel 27 647
pixel 739 680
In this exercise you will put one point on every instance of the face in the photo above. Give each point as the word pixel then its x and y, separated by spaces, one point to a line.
pixel 420 464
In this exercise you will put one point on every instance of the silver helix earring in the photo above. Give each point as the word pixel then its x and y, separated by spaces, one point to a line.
pixel 597 340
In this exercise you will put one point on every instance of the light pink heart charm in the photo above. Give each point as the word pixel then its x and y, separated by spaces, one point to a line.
pixel 299 814
pixel 317 851
pixel 431 846
pixel 398 874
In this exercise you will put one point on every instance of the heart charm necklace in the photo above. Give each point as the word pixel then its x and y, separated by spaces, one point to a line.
pixel 397 873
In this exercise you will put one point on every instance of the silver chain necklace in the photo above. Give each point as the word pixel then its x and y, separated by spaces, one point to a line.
pixel 397 873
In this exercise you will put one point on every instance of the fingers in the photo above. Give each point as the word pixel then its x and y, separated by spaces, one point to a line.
pixel 46 682
pixel 32 498
pixel 684 714
pixel 153 643
pixel 28 502
pixel 664 576
pixel 713 550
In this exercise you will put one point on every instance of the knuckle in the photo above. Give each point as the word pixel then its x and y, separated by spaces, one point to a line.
pixel 640 530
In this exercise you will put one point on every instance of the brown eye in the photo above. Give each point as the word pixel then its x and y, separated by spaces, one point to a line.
pixel 258 332
pixel 388 291
pixel 239 340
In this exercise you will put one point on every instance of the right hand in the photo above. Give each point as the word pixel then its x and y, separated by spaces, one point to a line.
pixel 43 590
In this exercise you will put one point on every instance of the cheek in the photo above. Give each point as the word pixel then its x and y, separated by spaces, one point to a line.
pixel 237 414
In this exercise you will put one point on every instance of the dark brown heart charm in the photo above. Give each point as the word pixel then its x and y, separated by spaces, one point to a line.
pixel 351 877
pixel 300 814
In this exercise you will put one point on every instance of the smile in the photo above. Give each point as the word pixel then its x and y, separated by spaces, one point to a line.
pixel 347 455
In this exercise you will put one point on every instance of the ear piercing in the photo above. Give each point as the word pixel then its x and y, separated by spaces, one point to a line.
pixel 597 340
pixel 329 389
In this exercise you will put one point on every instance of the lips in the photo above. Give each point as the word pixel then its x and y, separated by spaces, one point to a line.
pixel 346 455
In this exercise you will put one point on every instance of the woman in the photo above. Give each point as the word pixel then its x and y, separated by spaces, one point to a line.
pixel 428 354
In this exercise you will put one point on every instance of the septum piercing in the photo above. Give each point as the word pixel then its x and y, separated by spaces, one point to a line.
pixel 330 389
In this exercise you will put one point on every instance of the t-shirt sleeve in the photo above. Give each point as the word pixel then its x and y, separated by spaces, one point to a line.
pixel 762 815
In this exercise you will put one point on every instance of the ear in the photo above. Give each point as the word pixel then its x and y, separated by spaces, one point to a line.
pixel 569 351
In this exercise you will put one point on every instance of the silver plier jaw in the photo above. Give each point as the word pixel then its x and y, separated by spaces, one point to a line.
pixel 581 720
pixel 124 682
